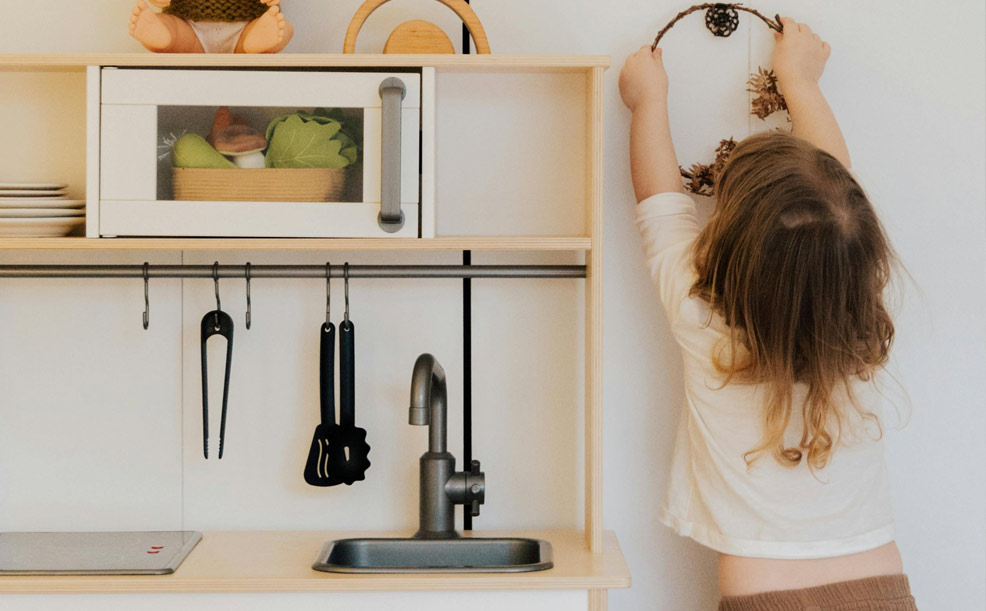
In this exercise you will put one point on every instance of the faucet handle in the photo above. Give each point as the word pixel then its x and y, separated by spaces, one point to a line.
pixel 468 488
pixel 475 487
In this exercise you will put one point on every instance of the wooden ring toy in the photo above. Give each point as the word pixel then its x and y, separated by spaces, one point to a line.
pixel 430 35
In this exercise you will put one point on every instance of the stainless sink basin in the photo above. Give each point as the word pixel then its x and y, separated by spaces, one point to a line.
pixel 466 555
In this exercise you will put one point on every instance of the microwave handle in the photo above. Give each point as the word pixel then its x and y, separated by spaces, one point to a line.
pixel 391 218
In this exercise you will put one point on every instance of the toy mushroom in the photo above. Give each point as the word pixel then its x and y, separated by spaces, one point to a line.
pixel 244 144
pixel 232 137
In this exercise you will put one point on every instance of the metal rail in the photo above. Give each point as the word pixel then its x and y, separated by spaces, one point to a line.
pixel 292 271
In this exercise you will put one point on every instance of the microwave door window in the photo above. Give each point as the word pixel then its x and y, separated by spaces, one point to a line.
pixel 250 153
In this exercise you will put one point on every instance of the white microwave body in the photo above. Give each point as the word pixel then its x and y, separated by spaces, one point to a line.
pixel 141 112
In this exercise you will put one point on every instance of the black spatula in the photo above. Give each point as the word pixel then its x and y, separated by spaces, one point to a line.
pixel 317 469
pixel 348 455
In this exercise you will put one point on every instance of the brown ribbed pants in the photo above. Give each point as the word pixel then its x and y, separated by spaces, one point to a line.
pixel 887 593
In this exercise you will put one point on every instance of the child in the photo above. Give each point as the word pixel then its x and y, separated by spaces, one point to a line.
pixel 211 26
pixel 777 305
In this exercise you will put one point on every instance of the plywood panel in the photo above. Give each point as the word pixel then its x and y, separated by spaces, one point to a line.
pixel 444 63
pixel 43 121
pixel 511 154
pixel 532 243
pixel 594 311
pixel 90 402
pixel 405 601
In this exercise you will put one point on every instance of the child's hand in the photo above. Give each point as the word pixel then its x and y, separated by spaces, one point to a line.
pixel 799 55
pixel 643 79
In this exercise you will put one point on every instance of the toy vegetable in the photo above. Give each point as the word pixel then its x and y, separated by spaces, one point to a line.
pixel 211 26
pixel 309 140
pixel 192 151
pixel 232 137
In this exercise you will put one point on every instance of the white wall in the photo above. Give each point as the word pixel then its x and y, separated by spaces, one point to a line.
pixel 907 82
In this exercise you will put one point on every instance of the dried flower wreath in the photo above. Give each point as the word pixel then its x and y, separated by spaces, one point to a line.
pixel 722 20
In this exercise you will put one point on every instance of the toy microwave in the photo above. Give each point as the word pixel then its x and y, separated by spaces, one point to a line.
pixel 329 153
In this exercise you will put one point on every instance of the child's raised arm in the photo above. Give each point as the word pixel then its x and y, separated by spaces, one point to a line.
pixel 799 60
pixel 644 89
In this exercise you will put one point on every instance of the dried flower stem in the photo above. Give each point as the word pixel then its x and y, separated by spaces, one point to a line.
pixel 769 100
pixel 701 178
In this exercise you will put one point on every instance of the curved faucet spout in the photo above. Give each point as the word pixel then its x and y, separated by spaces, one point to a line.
pixel 429 401
pixel 441 487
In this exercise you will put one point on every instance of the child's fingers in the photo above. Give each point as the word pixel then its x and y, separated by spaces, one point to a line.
pixel 788 24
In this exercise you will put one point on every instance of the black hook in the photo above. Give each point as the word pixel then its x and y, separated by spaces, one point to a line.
pixel 147 300
pixel 215 278
pixel 345 271
pixel 328 293
pixel 249 305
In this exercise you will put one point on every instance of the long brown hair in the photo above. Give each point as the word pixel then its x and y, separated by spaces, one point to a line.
pixel 796 261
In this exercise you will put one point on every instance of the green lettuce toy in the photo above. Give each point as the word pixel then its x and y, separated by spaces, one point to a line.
pixel 309 140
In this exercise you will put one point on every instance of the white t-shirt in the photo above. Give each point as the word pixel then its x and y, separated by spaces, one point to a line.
pixel 767 510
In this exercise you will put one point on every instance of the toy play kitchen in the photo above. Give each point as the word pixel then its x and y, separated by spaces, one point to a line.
pixel 266 153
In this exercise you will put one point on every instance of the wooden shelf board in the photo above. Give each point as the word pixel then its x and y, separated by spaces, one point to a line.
pixel 228 562
pixel 513 243
pixel 444 63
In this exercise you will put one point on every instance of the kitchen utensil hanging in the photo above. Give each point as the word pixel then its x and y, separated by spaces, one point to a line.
pixel 348 459
pixel 214 323
pixel 317 472
pixel 249 311
pixel 147 296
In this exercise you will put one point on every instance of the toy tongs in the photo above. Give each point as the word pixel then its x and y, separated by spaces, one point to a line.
pixel 216 322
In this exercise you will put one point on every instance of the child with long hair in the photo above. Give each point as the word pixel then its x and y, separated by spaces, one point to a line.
pixel 778 307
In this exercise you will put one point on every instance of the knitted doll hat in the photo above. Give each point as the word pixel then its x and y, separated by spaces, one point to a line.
pixel 217 10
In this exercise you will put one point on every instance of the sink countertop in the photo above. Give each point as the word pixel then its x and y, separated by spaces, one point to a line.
pixel 280 561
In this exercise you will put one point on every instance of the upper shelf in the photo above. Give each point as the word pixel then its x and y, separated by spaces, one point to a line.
pixel 504 243
pixel 443 63
pixel 77 64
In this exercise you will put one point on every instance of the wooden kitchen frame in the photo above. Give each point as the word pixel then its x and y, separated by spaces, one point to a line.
pixel 590 559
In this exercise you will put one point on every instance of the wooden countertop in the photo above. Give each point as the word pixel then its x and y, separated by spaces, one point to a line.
pixel 264 561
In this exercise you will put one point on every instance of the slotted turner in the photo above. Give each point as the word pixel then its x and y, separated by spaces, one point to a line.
pixel 317 471
pixel 348 456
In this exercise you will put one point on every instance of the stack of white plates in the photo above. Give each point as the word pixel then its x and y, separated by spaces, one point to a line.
pixel 38 210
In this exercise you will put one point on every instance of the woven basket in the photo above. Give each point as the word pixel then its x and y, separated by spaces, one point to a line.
pixel 260 185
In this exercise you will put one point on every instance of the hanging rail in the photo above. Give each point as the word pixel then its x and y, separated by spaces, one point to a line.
pixel 292 271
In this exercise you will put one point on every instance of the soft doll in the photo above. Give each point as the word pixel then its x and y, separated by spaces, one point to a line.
pixel 211 26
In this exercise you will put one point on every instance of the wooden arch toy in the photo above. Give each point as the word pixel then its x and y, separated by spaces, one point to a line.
pixel 419 36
